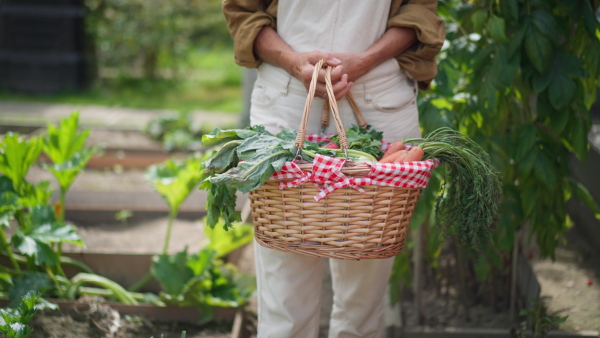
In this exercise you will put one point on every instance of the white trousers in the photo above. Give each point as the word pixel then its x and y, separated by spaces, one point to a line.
pixel 289 295
pixel 289 285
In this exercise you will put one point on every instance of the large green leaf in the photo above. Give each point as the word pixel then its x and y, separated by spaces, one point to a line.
pixel 478 20
pixel 29 282
pixel 43 230
pixel 545 23
pixel 66 171
pixel 497 29
pixel 545 170
pixel 538 49
pixel 175 181
pixel 172 271
pixel 225 241
pixel 510 9
pixel 63 142
pixel 16 157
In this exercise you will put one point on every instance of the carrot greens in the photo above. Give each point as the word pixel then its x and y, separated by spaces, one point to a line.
pixel 470 197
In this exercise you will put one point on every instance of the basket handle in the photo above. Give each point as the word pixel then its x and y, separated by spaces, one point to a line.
pixel 360 120
pixel 332 103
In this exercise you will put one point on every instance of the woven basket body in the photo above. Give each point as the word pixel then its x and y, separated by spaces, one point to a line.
pixel 346 224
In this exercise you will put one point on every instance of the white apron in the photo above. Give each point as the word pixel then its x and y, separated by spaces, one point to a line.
pixel 289 285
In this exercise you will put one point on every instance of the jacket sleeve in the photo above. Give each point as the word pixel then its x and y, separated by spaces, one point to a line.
pixel 245 18
pixel 419 59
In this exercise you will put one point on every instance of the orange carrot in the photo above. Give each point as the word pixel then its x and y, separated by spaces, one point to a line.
pixel 414 154
pixel 395 157
pixel 394 148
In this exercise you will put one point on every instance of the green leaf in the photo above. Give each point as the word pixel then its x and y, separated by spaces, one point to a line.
pixel 497 29
pixel 225 241
pixel 503 70
pixel 35 240
pixel 561 91
pixel 516 40
pixel 224 158
pixel 545 24
pixel 540 82
pixel 510 9
pixel 219 136
pixel 545 170
pixel 63 142
pixel 17 156
pixel 579 138
pixel 173 181
pixel 538 49
pixel 30 282
pixel 525 165
pixel 66 171
pixel 172 271
pixel 478 20
pixel 529 196
pixel 525 141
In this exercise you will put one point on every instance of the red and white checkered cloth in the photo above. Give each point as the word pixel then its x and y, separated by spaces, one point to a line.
pixel 326 173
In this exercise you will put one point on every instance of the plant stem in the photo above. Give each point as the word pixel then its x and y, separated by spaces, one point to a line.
pixel 61 215
pixel 172 216
pixel 70 261
pixel 9 252
pixel 138 285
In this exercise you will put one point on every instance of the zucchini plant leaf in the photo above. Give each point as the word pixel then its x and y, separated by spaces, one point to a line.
pixel 17 156
pixel 225 241
pixel 63 142
pixel 43 230
pixel 29 282
pixel 173 181
pixel 172 272
pixel 65 172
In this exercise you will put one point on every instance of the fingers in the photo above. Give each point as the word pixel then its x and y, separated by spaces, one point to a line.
pixel 340 88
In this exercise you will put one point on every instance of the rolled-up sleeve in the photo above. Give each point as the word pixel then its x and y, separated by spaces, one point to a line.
pixel 420 15
pixel 245 18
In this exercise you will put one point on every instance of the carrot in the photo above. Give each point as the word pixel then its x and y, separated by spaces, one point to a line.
pixel 414 154
pixel 396 157
pixel 394 148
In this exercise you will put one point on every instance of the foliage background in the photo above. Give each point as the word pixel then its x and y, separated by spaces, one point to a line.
pixel 519 77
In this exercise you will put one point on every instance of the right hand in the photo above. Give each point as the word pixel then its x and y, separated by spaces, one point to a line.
pixel 302 66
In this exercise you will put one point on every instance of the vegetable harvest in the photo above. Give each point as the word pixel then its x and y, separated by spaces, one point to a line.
pixel 467 204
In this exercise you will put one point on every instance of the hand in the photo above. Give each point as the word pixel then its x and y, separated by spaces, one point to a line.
pixel 302 67
pixel 355 65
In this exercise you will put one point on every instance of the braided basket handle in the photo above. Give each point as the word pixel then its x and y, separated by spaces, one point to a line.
pixel 332 103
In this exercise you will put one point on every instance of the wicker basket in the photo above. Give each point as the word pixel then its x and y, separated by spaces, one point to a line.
pixel 346 224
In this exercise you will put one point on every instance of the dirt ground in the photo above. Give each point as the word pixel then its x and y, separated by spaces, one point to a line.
pixel 571 283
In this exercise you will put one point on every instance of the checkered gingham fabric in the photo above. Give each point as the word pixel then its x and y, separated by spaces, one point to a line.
pixel 327 175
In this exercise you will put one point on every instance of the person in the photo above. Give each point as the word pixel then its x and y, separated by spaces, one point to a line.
pixel 382 52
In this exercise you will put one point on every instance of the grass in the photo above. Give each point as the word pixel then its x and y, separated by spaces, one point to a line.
pixel 212 83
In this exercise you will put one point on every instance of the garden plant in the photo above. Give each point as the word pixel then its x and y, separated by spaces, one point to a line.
pixel 519 77
pixel 32 230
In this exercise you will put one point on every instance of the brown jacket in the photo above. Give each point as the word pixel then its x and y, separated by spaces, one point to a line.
pixel 245 18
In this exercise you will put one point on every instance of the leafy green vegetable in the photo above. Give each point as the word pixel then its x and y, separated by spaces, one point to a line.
pixel 472 192
pixel 363 139
pixel 250 156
